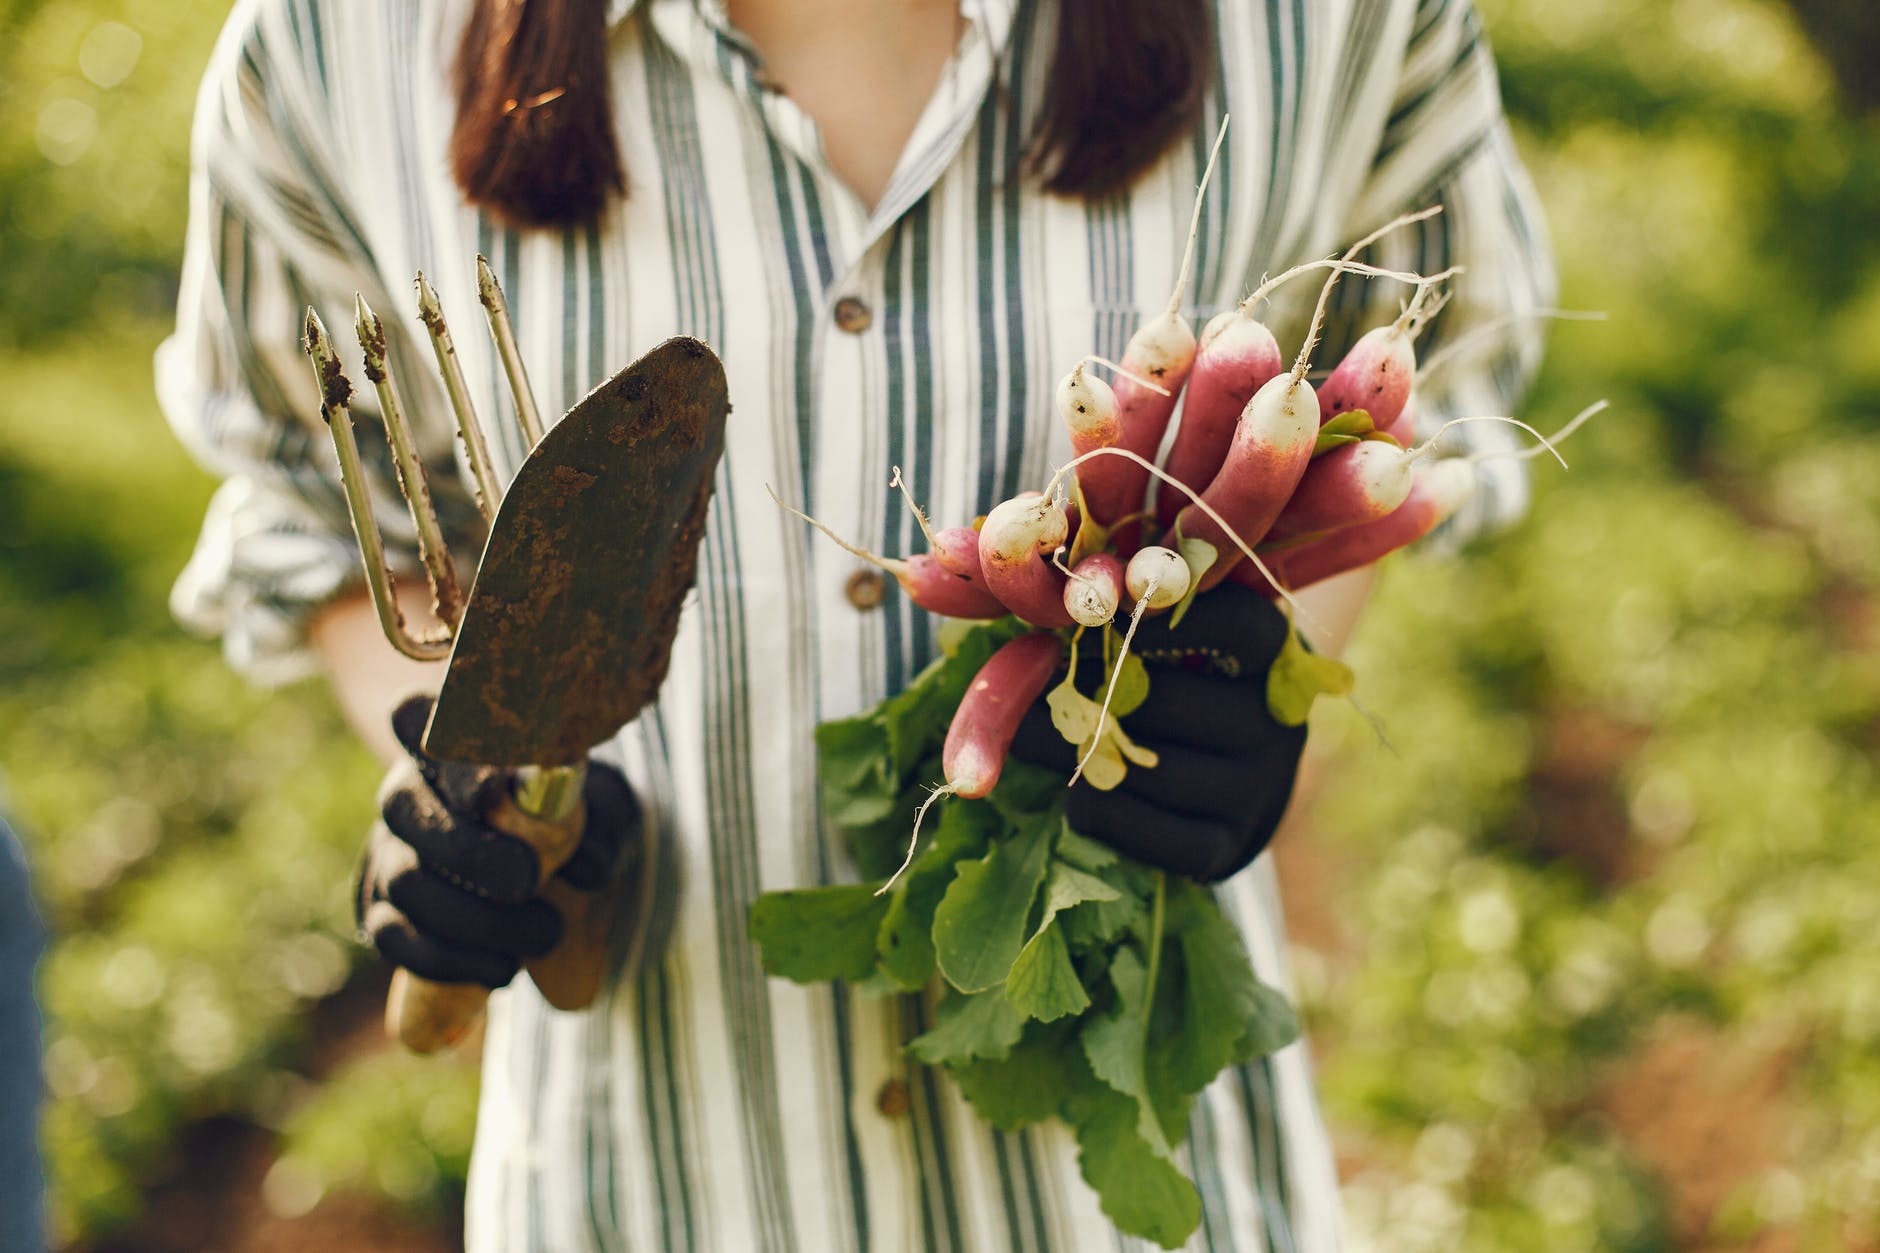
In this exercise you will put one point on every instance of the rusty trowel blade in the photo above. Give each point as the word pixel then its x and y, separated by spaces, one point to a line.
pixel 576 601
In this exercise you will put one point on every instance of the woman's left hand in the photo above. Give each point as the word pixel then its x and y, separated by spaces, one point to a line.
pixel 1226 768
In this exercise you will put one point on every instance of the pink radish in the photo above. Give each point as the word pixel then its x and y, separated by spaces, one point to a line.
pixel 956 548
pixel 931 585
pixel 995 703
pixel 1404 429
pixel 1013 544
pixel 1094 591
pixel 1163 351
pixel 1354 483
pixel 1236 357
pixel 1374 376
pixel 1088 406
pixel 1271 449
pixel 927 582
pixel 1377 371
pixel 1441 488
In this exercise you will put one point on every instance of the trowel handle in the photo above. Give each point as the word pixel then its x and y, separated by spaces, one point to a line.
pixel 430 1016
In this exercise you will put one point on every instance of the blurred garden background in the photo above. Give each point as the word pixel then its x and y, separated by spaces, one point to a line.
pixel 1591 954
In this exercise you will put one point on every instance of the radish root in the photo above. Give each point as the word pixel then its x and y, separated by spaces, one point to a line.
pixel 1270 285
pixel 1124 372
pixel 1455 348
pixel 1547 444
pixel 1423 450
pixel 1424 304
pixel 1246 550
pixel 1116 672
pixel 1194 226
pixel 919 515
pixel 933 794
pixel 1325 293
pixel 893 565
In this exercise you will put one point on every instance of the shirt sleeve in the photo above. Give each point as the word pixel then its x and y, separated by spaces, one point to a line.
pixel 1447 143
pixel 269 236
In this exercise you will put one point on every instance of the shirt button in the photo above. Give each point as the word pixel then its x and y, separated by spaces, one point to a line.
pixel 853 315
pixel 893 1099
pixel 866 589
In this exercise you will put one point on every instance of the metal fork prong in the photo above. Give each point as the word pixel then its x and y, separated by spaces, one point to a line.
pixel 476 448
pixel 335 398
pixel 433 551
pixel 504 333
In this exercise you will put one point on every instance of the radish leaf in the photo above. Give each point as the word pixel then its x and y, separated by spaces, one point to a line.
pixel 1028 1085
pixel 1132 686
pixel 979 926
pixel 1298 677
pixel 981 1025
pixel 1199 555
pixel 1116 1043
pixel 1353 422
pixel 905 941
pixel 1139 1187
pixel 1227 1014
pixel 1043 983
pixel 815 934
pixel 1347 428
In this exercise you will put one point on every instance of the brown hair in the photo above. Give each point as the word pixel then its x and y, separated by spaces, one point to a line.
pixel 534 142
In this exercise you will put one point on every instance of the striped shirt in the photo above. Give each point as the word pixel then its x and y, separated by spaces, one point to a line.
pixel 702 1106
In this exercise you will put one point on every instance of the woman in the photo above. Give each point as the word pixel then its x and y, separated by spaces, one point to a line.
pixel 898 223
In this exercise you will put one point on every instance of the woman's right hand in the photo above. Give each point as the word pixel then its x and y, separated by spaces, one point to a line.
pixel 448 884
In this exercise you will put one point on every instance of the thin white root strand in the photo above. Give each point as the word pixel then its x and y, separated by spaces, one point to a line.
pixel 1425 302
pixel 1325 293
pixel 1447 354
pixel 1423 450
pixel 933 794
pixel 919 515
pixel 1548 444
pixel 1116 672
pixel 1268 286
pixel 1131 375
pixel 1057 559
pixel 1246 550
pixel 1194 225
pixel 892 565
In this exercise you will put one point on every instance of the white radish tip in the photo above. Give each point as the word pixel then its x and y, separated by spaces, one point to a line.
pixel 1089 602
pixel 1161 346
pixel 1086 403
pixel 1026 524
pixel 1157 576
pixel 1218 324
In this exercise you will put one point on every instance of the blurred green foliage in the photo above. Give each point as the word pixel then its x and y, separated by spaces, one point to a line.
pixel 191 838
pixel 1633 741
pixel 1634 783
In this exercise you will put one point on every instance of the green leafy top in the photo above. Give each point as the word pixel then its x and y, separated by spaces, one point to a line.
pixel 1078 984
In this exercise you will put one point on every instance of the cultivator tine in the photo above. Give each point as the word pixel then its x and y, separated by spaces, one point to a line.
pixel 491 294
pixel 447 596
pixel 435 643
pixel 335 399
pixel 476 448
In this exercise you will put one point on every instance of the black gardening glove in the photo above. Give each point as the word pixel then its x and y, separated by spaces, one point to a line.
pixel 1226 770
pixel 450 895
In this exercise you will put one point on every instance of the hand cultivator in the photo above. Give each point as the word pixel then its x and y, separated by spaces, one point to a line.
pixel 567 631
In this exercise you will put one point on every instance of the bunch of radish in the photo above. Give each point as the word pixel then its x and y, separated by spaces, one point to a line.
pixel 1268 480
